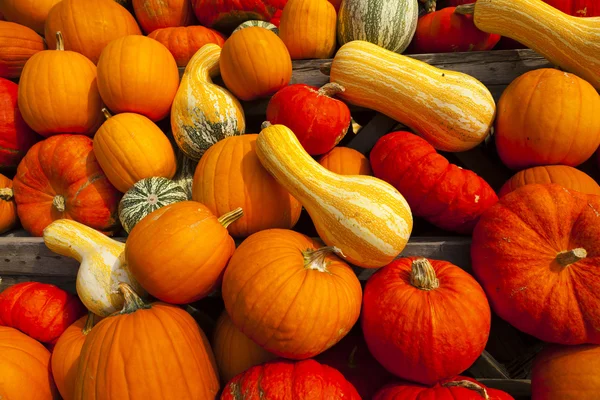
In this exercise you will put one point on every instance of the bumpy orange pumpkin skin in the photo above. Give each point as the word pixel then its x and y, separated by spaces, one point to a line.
pixel 184 42
pixel 536 255
pixel 346 161
pixel 8 208
pixel 563 175
pixel 17 44
pixel 547 117
pixel 30 13
pixel 159 14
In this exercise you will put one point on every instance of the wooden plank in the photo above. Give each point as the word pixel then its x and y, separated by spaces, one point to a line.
pixel 518 388
pixel 486 366
pixel 366 138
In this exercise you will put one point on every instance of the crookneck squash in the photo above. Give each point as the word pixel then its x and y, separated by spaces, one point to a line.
pixel 566 176
pixel 365 218
pixel 204 113
pixel 184 41
pixel 8 207
pixel 451 110
pixel 17 44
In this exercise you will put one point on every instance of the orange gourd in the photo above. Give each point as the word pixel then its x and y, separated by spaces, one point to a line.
pixel 30 13
pixel 566 176
pixel 17 44
pixel 255 63
pixel 184 42
pixel 158 14
pixel 8 208
pixel 346 161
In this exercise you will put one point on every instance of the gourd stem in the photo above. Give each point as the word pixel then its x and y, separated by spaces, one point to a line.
pixel 315 259
pixel 469 385
pixel 60 43
pixel 89 323
pixel 106 113
pixel 6 194
pixel 430 5
pixel 423 275
pixel 265 125
pixel 465 9
pixel 566 258
pixel 231 217
pixel 331 89
pixel 351 359
pixel 59 203
pixel 133 302
pixel 325 69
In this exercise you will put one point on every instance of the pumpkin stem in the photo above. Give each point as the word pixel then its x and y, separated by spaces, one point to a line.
pixel 465 9
pixel 133 302
pixel 315 259
pixel 423 275
pixel 89 323
pixel 6 194
pixel 106 113
pixel 566 258
pixel 331 89
pixel 469 385
pixel 231 217
pixel 265 125
pixel 60 42
pixel 325 69
pixel 59 203
pixel 429 5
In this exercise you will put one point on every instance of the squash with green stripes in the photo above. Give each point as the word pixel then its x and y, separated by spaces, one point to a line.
pixel 256 22
pixel 184 177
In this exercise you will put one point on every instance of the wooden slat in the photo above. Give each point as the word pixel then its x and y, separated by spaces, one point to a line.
pixel 486 366
pixel 518 388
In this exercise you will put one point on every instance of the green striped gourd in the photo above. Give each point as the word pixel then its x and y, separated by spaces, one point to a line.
pixel 184 177
pixel 256 22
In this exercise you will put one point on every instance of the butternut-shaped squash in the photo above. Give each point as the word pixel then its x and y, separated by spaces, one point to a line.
pixel 366 219
pixel 204 113
pixel 102 266
pixel 451 110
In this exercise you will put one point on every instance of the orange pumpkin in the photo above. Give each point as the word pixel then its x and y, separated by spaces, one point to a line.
pixel 547 117
pixel 230 175
pixel 30 13
pixel 275 289
pixel 184 42
pixel 566 176
pixel 17 44
pixel 158 14
pixel 89 26
pixel 346 161
pixel 58 93
pixel 138 74
pixel 255 63
pixel 129 147
pixel 146 352
pixel 8 209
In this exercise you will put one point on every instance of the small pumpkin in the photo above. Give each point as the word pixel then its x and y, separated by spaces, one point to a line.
pixel 460 387
pixel 29 13
pixel 225 15
pixel 145 196
pixel 129 147
pixel 8 208
pixel 51 110
pixel 52 183
pixel 17 44
pixel 230 175
pixel 184 42
pixel 255 63
pixel 563 175
pixel 319 121
pixel 346 161
pixel 159 14
pixel 184 176
pixel 257 22
pixel 180 364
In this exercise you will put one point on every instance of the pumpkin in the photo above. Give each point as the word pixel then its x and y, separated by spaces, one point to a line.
pixel 16 137
pixel 79 23
pixel 225 15
pixel 547 116
pixel 139 75
pixel 17 44
pixel 566 373
pixel 159 14
pixel 25 364
pixel 255 63
pixel 51 110
pixel 158 245
pixel 257 22
pixel 365 218
pixel 390 24
pixel 230 175
pixel 145 196
pixel 307 28
pixel 569 42
pixel 8 208
pixel 460 387
pixel 566 176
pixel 129 147
pixel 204 113
pixel 448 196
pixel 530 251
pixel 346 161
pixel 29 13
pixel 577 8
pixel 184 42
pixel 451 110
pixel 40 310
pixel 319 121
pixel 234 352
pixel 162 354
pixel 184 176
pixel 61 178
pixel 102 264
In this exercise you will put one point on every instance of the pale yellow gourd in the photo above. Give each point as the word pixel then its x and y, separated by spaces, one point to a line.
pixel 365 218
pixel 102 265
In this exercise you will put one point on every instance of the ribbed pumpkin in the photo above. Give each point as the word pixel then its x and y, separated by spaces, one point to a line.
pixel 69 102
pixel 162 354
pixel 441 328
pixel 255 63
pixel 346 161
pixel 535 254
pixel 184 42
pixel 318 120
pixel 139 75
pixel 184 237
pixel 88 29
pixel 46 189
pixel 230 175
pixel 225 15
pixel 563 175
pixel 234 352
pixel 25 367
pixel 204 113
pixel 445 195
pixel 16 137
pixel 17 44
pixel 159 14
pixel 257 22
pixel 8 208
pixel 146 196
pixel 29 13
pixel 458 388
pixel 547 116
pixel 577 8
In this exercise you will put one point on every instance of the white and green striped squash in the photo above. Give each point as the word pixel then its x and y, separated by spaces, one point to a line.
pixel 148 195
pixel 186 167
pixel 256 22
pixel 390 24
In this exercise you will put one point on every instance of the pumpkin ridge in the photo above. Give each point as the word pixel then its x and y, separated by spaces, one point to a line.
pixel 576 127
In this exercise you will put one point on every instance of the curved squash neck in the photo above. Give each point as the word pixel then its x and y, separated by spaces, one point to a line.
pixel 204 65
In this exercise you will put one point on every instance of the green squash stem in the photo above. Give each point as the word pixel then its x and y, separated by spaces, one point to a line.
pixel 133 302
pixel 89 323
pixel 231 217
pixel 423 275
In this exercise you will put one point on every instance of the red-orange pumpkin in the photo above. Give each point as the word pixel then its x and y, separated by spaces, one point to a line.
pixel 29 13
pixel 8 208
pixel 17 44
pixel 184 42
pixel 346 161
pixel 536 254
pixel 158 14
pixel 566 176
pixel 226 15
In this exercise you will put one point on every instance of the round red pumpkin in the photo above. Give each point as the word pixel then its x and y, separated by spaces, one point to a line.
pixel 184 42
pixel 226 15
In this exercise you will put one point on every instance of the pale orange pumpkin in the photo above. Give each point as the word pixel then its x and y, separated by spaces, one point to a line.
pixel 566 176
pixel 346 161
pixel 8 208
pixel 30 13
pixel 17 44
pixel 158 14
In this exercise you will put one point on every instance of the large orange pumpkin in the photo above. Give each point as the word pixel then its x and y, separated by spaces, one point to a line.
pixel 255 63
pixel 146 352
pixel 30 13
pixel 346 161
pixel 536 253
pixel 158 14
pixel 274 289
pixel 89 26
pixel 17 44
pixel 230 175
pixel 8 208
pixel 566 176
pixel 546 117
